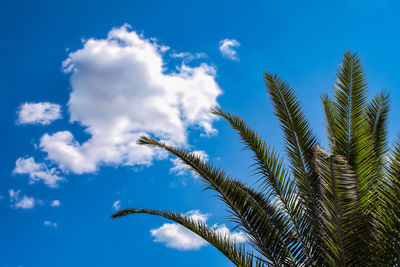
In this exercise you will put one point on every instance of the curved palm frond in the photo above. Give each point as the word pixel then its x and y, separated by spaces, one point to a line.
pixel 300 142
pixel 237 254
pixel 275 179
pixel 299 138
pixel 377 114
pixel 265 224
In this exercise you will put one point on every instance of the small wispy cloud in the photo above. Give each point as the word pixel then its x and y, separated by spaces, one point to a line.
pixel 20 203
pixel 116 205
pixel 55 203
pixel 187 56
pixel 37 172
pixel 50 224
pixel 38 113
pixel 181 169
pixel 226 47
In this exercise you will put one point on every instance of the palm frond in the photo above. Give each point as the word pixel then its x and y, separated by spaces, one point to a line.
pixel 236 253
pixel 377 113
pixel 265 225
pixel 275 179
pixel 298 135
pixel 344 224
pixel 350 97
pixel 299 146
pixel 353 137
pixel 330 115
pixel 389 213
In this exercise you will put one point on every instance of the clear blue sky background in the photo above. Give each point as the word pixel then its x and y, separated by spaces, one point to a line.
pixel 303 41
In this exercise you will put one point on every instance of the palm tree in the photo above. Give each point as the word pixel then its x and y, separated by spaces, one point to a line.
pixel 340 208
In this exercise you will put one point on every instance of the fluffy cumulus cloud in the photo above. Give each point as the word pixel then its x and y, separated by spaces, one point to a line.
pixel 178 237
pixel 38 113
pixel 181 169
pixel 226 47
pixel 37 172
pixel 122 89
pixel 18 202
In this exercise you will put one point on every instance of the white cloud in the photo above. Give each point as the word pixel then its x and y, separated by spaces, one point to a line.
pixel 55 203
pixel 50 224
pixel 18 203
pixel 181 169
pixel 226 47
pixel 237 237
pixel 116 205
pixel 37 172
pixel 187 56
pixel 122 89
pixel 177 236
pixel 43 113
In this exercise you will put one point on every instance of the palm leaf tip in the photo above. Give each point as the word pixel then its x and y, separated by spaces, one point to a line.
pixel 236 253
pixel 146 141
pixel 216 110
pixel 124 212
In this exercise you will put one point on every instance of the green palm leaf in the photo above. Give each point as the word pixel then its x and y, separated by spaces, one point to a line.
pixel 299 138
pixel 377 113
pixel 275 180
pixel 344 225
pixel 262 221
pixel 330 115
pixel 235 253
pixel 299 146
pixel 389 213
pixel 350 97
pixel 352 137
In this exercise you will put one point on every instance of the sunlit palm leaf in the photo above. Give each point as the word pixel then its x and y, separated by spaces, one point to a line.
pixel 350 97
pixel 262 221
pixel 274 179
pixel 330 115
pixel 389 221
pixel 377 113
pixel 344 225
pixel 353 139
pixel 299 146
pixel 236 253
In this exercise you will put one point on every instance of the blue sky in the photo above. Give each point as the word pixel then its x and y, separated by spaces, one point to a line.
pixel 80 85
